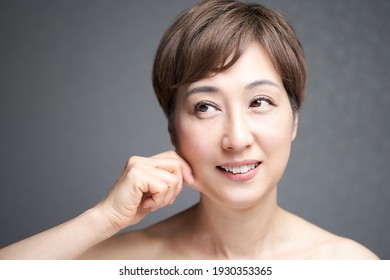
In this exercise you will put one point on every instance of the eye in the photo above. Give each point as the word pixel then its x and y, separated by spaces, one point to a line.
pixel 204 107
pixel 261 102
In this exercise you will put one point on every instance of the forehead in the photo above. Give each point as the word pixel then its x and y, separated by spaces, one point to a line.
pixel 253 65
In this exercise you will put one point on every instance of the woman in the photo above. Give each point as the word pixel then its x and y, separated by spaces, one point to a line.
pixel 230 78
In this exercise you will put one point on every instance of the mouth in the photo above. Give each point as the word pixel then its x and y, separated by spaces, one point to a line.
pixel 240 171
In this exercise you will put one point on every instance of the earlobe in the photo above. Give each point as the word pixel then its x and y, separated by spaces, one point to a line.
pixel 295 127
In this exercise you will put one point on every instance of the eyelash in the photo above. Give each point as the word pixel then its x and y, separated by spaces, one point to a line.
pixel 262 98
pixel 203 103
pixel 198 105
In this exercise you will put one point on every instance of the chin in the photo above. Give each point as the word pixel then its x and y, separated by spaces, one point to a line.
pixel 241 196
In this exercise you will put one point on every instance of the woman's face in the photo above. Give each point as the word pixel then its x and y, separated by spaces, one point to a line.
pixel 235 130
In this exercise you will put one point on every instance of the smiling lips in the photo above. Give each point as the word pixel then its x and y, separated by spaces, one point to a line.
pixel 240 171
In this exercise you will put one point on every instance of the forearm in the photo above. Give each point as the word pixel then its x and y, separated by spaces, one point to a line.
pixel 146 184
pixel 66 241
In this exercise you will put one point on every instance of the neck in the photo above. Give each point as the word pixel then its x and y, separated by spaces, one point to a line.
pixel 237 233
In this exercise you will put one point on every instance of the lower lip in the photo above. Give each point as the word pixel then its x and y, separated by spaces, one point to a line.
pixel 240 176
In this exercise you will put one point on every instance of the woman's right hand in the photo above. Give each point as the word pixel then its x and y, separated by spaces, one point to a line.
pixel 146 184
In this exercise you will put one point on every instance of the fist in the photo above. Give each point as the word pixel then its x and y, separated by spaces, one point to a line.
pixel 146 184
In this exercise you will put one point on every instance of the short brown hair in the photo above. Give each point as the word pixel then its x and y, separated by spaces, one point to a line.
pixel 203 37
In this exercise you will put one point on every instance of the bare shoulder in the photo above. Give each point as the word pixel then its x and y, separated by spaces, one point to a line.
pixel 128 245
pixel 322 244
pixel 340 248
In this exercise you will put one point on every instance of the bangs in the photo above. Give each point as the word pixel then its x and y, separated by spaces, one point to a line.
pixel 215 46
pixel 211 36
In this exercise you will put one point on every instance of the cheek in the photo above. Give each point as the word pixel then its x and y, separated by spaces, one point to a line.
pixel 193 142
pixel 278 145
pixel 275 141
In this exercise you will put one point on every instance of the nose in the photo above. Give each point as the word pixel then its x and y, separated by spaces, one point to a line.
pixel 237 133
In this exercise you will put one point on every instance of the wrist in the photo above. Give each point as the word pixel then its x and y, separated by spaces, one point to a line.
pixel 100 220
pixel 105 217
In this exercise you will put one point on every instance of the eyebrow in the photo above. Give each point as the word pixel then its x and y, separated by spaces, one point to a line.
pixel 211 89
pixel 261 83
pixel 202 89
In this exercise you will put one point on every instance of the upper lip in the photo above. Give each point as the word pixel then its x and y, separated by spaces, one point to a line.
pixel 239 163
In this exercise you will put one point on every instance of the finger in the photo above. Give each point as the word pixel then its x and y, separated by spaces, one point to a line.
pixel 154 198
pixel 184 166
pixel 160 184
pixel 174 183
pixel 171 164
pixel 186 170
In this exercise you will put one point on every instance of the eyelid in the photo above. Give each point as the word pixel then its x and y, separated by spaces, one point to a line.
pixel 203 102
pixel 265 98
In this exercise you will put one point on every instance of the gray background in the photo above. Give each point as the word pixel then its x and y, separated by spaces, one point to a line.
pixel 77 101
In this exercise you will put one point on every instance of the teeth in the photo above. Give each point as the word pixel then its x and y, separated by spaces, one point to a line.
pixel 244 169
pixel 240 169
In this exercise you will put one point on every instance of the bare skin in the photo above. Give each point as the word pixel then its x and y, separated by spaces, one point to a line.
pixel 236 218
pixel 184 236
pixel 145 185
pixel 233 134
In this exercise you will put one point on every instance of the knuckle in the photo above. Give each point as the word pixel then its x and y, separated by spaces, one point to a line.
pixel 171 153
pixel 176 163
pixel 175 181
pixel 134 172
pixel 164 189
pixel 133 160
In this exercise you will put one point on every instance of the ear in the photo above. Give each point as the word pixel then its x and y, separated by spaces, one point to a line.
pixel 295 127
